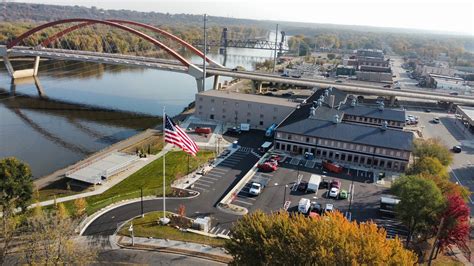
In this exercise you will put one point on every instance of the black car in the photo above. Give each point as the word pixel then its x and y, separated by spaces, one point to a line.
pixel 324 184
pixel 303 185
pixel 234 130
pixel 235 69
pixel 457 149
pixel 428 110
pixel 316 207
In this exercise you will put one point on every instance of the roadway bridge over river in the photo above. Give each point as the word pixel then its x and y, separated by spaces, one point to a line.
pixel 178 63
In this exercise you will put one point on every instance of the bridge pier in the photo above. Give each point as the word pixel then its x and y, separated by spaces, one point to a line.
pixel 216 85
pixel 257 86
pixel 24 73
pixel 392 100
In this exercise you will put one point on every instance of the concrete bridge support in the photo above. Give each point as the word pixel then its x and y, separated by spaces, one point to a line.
pixel 24 73
pixel 257 86
pixel 216 85
pixel 392 100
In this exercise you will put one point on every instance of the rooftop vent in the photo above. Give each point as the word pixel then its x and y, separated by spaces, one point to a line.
pixel 330 89
pixel 326 92
pixel 312 112
pixel 384 125
pixel 353 102
pixel 332 99
pixel 320 102
pixel 336 120
pixel 381 106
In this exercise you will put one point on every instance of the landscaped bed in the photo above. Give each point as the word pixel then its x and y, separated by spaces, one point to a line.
pixel 148 227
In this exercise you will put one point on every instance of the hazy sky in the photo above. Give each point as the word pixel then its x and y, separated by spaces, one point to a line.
pixel 453 16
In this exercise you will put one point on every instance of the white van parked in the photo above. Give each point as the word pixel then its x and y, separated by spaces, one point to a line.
pixel 303 205
pixel 313 184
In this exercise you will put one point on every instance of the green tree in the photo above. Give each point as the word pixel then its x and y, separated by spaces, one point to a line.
pixel 428 166
pixel 420 204
pixel 432 148
pixel 331 56
pixel 16 185
pixel 284 239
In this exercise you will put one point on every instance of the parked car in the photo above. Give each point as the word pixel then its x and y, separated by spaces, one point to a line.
pixel 335 183
pixel 329 207
pixel 338 81
pixel 303 205
pixel 436 120
pixel 453 93
pixel 267 167
pixel 343 194
pixel 334 192
pixel 203 130
pixel 276 157
pixel 324 184
pixel 255 189
pixel 235 69
pixel 457 149
pixel 285 75
pixel 428 110
pixel 302 186
pixel 387 86
pixel 316 207
pixel 234 130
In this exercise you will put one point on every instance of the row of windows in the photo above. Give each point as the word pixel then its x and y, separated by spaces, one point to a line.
pixel 370 120
pixel 343 157
pixel 249 105
pixel 212 117
pixel 344 145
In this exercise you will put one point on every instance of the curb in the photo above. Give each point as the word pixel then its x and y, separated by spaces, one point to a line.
pixel 196 254
pixel 87 221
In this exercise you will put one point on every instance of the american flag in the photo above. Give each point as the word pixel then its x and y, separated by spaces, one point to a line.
pixel 175 135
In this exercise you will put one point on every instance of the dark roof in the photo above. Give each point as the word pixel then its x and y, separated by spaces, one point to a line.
pixel 354 133
pixel 373 112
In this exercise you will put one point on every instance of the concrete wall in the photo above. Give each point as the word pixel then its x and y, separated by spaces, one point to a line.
pixel 374 76
pixel 258 115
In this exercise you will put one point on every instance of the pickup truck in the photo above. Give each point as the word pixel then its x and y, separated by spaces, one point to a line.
pixel 203 130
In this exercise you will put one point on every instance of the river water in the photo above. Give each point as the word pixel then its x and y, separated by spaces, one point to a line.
pixel 86 107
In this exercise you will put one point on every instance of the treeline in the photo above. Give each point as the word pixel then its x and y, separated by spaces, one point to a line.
pixel 103 38
pixel 427 46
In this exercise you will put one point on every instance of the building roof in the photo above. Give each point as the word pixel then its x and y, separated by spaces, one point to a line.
pixel 250 98
pixel 353 133
pixel 468 111
pixel 371 112
pixel 322 125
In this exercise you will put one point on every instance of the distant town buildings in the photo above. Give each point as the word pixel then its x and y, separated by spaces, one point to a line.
pixel 370 65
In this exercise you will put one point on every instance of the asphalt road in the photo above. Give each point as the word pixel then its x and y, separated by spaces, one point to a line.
pixel 138 257
pixel 212 187
pixel 451 132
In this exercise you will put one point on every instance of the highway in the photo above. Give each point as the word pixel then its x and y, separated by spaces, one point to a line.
pixel 195 70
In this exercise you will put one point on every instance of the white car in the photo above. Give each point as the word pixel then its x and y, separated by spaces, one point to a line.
pixel 329 207
pixel 255 189
pixel 334 192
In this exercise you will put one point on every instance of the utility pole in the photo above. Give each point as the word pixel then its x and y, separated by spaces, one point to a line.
pixel 440 228
pixel 275 55
pixel 141 200
pixel 205 55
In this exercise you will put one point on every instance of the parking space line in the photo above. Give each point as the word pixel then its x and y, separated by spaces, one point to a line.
pixel 245 197
pixel 213 228
pixel 208 177
pixel 215 175
pixel 223 231
pixel 206 181
pixel 201 184
pixel 245 193
pixel 244 202
pixel 217 231
pixel 219 170
pixel 200 188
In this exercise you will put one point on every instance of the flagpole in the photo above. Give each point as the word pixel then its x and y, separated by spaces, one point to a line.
pixel 164 167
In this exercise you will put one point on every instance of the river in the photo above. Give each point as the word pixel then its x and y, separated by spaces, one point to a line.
pixel 86 107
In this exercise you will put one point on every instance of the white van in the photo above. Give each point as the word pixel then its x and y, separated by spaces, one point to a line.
pixel 303 205
pixel 313 183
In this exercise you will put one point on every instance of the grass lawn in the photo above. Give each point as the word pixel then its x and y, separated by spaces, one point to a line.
pixel 59 188
pixel 152 145
pixel 148 227
pixel 150 178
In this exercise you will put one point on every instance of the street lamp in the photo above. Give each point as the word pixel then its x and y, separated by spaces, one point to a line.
pixel 284 195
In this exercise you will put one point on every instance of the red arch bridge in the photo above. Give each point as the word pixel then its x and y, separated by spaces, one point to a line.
pixel 178 63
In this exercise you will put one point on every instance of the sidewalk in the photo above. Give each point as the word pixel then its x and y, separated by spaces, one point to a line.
pixel 172 246
pixel 110 183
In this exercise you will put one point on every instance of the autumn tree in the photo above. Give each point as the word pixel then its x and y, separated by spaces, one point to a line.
pixel 428 166
pixel 285 239
pixel 80 206
pixel 50 239
pixel 432 148
pixel 455 228
pixel 420 204
pixel 15 194
pixel 449 188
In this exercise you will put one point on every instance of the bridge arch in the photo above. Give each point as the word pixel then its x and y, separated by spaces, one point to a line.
pixel 142 35
pixel 193 49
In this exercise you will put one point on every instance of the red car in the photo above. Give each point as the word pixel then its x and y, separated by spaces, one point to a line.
pixel 203 130
pixel 275 157
pixel 268 167
pixel 332 167
pixel 336 183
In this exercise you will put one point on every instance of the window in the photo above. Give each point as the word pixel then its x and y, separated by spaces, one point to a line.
pixel 200 107
pixel 351 146
pixel 223 110
pixel 200 99
pixel 343 156
pixel 212 100
pixel 274 118
pixel 249 105
pixel 330 154
pixel 278 135
pixel 369 161
pixel 211 117
pixel 283 146
pixel 344 145
pixel 382 163
pixel 307 140
pixel 356 159
pixel 248 121
pixel 398 154
pixel 289 136
pixel 349 158
pixel 249 114
pixel 336 156
pixel 223 116
pixel 288 147
pixel 295 148
pixel 362 160
pixel 200 113
pixel 376 162
pixel 389 164
pixel 261 123
pixel 318 152
pixel 261 116
pixel 278 145
pixel 325 153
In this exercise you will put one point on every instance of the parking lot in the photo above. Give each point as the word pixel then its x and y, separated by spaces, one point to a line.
pixel 281 186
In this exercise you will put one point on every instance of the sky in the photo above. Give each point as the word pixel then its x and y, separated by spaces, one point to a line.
pixel 455 16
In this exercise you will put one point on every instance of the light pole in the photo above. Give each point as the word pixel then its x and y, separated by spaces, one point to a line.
pixel 205 55
pixel 284 195
pixel 275 55
pixel 141 200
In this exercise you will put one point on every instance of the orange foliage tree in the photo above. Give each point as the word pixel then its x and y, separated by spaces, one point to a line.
pixel 284 239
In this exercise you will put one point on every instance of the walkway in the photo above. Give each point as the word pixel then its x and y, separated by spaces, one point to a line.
pixel 112 181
